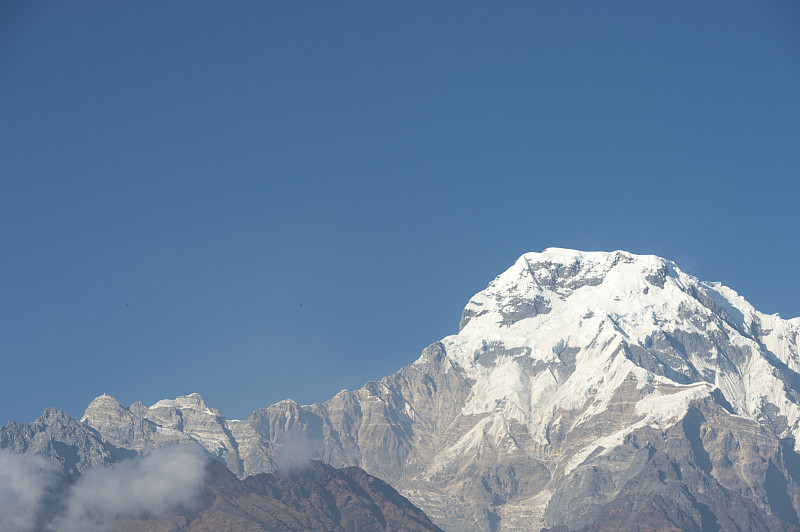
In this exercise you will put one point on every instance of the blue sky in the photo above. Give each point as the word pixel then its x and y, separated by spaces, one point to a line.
pixel 261 200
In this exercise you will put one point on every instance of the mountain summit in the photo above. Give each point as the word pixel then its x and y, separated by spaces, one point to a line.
pixel 564 329
pixel 583 391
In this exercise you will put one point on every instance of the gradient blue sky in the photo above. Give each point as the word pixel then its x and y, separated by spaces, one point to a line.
pixel 261 200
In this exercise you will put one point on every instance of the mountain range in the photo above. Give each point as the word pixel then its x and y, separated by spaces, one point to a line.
pixel 583 391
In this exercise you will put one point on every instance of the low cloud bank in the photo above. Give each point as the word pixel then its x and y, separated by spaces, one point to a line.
pixel 24 480
pixel 147 486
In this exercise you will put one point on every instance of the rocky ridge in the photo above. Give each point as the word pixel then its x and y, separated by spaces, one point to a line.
pixel 62 439
pixel 314 497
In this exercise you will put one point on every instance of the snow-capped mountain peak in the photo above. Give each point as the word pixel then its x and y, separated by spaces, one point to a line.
pixel 562 330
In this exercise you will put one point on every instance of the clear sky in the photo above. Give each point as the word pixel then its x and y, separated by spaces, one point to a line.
pixel 261 200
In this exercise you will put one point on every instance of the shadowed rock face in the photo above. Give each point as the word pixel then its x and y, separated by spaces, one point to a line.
pixel 313 497
pixel 587 391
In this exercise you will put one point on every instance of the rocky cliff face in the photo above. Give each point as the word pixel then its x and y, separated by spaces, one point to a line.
pixel 182 420
pixel 62 439
pixel 584 391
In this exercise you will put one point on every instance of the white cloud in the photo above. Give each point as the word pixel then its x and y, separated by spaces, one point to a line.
pixel 145 486
pixel 295 451
pixel 23 482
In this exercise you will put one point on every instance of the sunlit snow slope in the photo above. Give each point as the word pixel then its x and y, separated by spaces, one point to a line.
pixel 562 329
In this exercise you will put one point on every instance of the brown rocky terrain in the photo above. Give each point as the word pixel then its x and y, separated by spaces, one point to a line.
pixel 315 497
